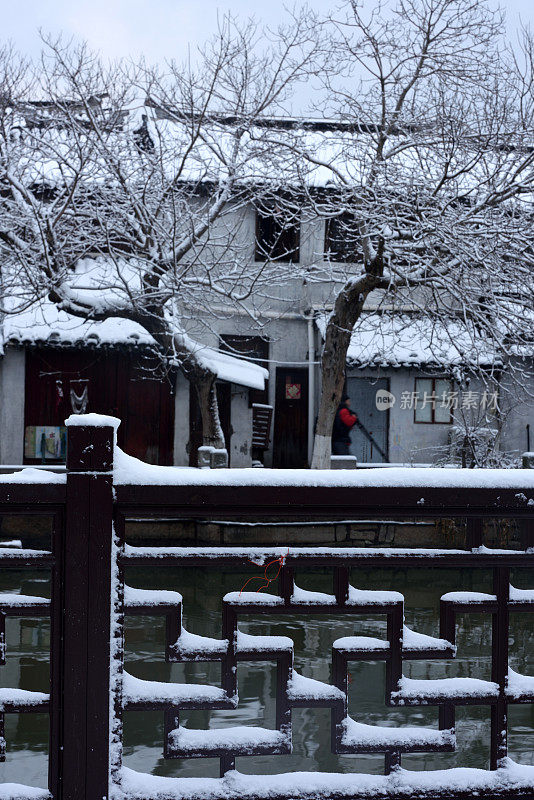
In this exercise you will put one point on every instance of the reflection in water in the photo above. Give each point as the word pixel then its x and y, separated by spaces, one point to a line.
pixel 203 590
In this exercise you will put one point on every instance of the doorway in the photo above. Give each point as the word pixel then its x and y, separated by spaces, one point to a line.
pixel 371 448
pixel 290 447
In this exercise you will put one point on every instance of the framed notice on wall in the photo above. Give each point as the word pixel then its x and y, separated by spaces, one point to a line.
pixel 45 442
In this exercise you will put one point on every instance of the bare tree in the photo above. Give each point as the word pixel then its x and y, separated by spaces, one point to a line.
pixel 121 187
pixel 429 175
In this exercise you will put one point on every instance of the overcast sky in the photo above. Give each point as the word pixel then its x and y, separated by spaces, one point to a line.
pixel 157 28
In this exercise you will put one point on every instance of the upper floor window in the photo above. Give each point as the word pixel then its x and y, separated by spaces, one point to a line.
pixel 434 400
pixel 342 240
pixel 277 232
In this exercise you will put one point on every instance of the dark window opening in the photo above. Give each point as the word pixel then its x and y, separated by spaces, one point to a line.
pixel 342 240
pixel 277 233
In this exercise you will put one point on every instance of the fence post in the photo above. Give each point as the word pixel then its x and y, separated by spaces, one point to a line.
pixel 86 608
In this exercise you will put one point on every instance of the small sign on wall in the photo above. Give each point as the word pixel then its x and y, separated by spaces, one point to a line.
pixel 45 442
pixel 293 391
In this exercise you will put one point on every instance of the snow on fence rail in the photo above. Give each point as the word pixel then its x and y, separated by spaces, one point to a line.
pixel 89 508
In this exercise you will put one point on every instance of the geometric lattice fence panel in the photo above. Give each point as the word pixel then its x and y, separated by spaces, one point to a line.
pixel 348 735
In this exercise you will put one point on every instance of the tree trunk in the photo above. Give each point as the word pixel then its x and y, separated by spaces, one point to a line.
pixel 200 376
pixel 347 310
pixel 212 433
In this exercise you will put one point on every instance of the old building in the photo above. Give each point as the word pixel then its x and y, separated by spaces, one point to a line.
pixel 53 365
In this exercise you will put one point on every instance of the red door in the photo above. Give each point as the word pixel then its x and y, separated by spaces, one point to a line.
pixel 62 381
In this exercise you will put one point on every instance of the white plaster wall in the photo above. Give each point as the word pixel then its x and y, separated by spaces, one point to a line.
pixel 410 441
pixel 518 402
pixel 12 379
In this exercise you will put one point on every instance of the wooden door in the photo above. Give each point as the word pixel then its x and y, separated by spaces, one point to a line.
pixel 149 429
pixel 362 393
pixel 290 440
pixel 103 382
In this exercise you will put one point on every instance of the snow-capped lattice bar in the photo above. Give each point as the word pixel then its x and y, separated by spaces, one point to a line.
pixel 87 700
pixel 349 736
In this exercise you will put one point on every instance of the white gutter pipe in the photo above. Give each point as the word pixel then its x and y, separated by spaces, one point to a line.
pixel 311 386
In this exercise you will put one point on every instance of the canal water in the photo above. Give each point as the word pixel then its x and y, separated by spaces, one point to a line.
pixel 28 643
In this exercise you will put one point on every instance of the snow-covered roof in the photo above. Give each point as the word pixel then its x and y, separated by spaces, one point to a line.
pixel 231 369
pixel 45 324
pixel 404 340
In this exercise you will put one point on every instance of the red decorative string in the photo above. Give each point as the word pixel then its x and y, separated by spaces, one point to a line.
pixel 280 561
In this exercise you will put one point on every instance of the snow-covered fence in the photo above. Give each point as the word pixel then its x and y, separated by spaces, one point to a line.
pixel 90 690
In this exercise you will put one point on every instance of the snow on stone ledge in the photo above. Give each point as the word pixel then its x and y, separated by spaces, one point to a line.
pixel 321 785
pixel 130 470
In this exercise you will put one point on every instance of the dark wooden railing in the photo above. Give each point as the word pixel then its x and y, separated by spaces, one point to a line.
pixel 89 600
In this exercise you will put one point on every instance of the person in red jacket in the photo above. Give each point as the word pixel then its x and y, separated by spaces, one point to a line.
pixel 343 423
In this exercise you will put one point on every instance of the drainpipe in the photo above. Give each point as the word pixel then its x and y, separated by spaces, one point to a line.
pixel 311 386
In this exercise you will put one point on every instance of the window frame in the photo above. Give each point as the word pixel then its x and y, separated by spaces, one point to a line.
pixel 432 420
